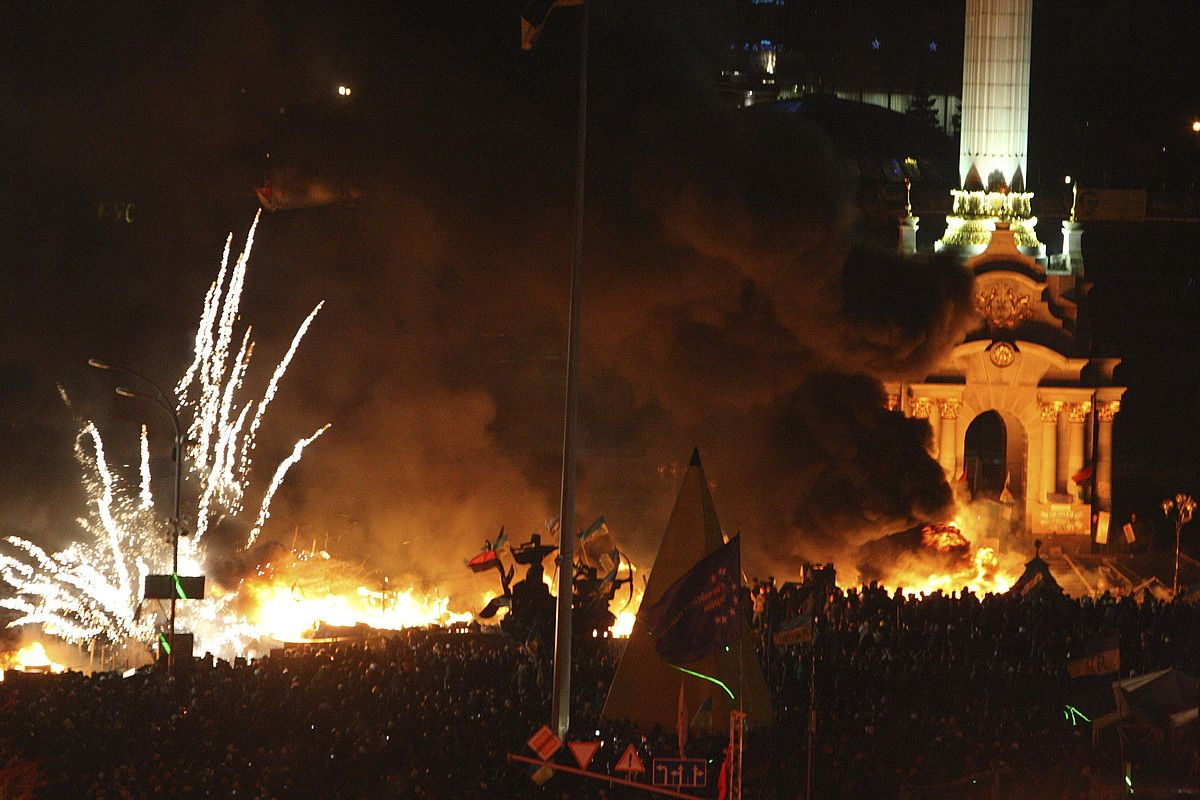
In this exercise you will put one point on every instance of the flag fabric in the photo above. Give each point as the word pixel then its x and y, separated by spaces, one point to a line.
pixel 1034 582
pixel 489 556
pixel 484 561
pixel 1006 495
pixel 1102 656
pixel 534 18
pixel 701 612
pixel 681 723
pixel 598 547
pixel 798 630
pixel 723 776
pixel 1084 475
pixel 1103 521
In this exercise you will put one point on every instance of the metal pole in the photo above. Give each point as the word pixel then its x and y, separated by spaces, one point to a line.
pixel 812 718
pixel 177 455
pixel 560 708
pixel 1178 530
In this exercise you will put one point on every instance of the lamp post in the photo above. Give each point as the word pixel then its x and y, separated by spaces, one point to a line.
pixel 160 399
pixel 1183 505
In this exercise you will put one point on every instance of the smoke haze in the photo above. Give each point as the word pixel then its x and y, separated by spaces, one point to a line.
pixel 726 304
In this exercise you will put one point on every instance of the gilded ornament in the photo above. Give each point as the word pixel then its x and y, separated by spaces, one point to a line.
pixel 950 407
pixel 1077 412
pixel 1003 307
pixel 922 407
pixel 1002 354
pixel 1050 410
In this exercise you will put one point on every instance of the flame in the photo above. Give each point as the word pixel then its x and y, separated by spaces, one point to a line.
pixel 285 611
pixel 30 658
pixel 623 627
pixel 943 538
pixel 951 562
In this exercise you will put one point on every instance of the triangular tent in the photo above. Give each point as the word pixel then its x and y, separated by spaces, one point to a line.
pixel 1036 581
pixel 645 690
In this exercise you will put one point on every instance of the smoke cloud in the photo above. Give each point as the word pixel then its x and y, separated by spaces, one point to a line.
pixel 726 302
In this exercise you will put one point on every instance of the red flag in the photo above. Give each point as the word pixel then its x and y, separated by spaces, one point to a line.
pixel 484 561
pixel 723 776
pixel 1084 475
pixel 681 722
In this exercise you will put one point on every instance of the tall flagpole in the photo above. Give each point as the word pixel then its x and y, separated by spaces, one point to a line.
pixel 560 708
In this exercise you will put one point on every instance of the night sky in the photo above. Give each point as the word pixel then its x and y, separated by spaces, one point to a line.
pixel 720 307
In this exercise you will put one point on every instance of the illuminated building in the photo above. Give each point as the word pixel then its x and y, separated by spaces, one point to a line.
pixel 1022 411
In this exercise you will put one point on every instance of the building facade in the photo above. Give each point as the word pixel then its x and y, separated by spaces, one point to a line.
pixel 1022 411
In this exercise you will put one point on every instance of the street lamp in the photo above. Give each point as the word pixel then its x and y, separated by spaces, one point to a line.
pixel 160 399
pixel 1183 505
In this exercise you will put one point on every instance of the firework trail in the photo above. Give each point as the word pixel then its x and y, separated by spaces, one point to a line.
pixel 92 589
pixel 265 512
pixel 85 591
pixel 147 497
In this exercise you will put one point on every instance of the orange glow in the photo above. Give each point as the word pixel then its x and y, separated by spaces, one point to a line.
pixel 623 627
pixel 30 658
pixel 943 538
pixel 281 610
pixel 949 561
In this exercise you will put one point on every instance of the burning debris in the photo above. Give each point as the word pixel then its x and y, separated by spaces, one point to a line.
pixel 31 657
pixel 930 558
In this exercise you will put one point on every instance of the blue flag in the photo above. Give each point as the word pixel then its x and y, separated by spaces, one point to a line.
pixel 701 612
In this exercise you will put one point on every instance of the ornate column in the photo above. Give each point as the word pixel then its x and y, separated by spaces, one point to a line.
pixel 949 441
pixel 1077 414
pixel 922 407
pixel 1105 411
pixel 995 95
pixel 1061 475
pixel 1049 412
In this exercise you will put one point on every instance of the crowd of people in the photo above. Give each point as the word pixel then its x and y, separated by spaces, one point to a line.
pixel 912 694
pixel 954 691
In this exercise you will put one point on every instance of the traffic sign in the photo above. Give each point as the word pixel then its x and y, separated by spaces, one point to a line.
pixel 630 761
pixel 545 743
pixel 681 773
pixel 583 752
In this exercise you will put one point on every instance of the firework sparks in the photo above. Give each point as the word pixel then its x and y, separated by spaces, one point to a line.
pixel 91 589
pixel 265 512
pixel 147 497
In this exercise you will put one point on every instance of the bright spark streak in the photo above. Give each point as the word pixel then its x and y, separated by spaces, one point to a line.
pixel 265 512
pixel 269 395
pixel 91 589
pixel 147 497
pixel 104 508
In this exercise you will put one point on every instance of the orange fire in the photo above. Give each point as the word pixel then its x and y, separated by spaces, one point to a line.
pixel 943 538
pixel 950 562
pixel 623 627
pixel 30 658
pixel 286 612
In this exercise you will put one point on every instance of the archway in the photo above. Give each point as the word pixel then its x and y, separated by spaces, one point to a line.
pixel 985 456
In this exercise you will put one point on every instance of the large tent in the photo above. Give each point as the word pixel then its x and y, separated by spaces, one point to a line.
pixel 646 688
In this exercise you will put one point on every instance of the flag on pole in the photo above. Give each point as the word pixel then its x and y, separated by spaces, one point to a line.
pixel 534 18
pixel 1101 657
pixel 701 612
pixel 681 723
pixel 489 556
pixel 1084 475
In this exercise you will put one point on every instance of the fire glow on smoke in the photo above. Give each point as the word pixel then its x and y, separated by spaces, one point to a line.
pixel 31 657
pixel 948 561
